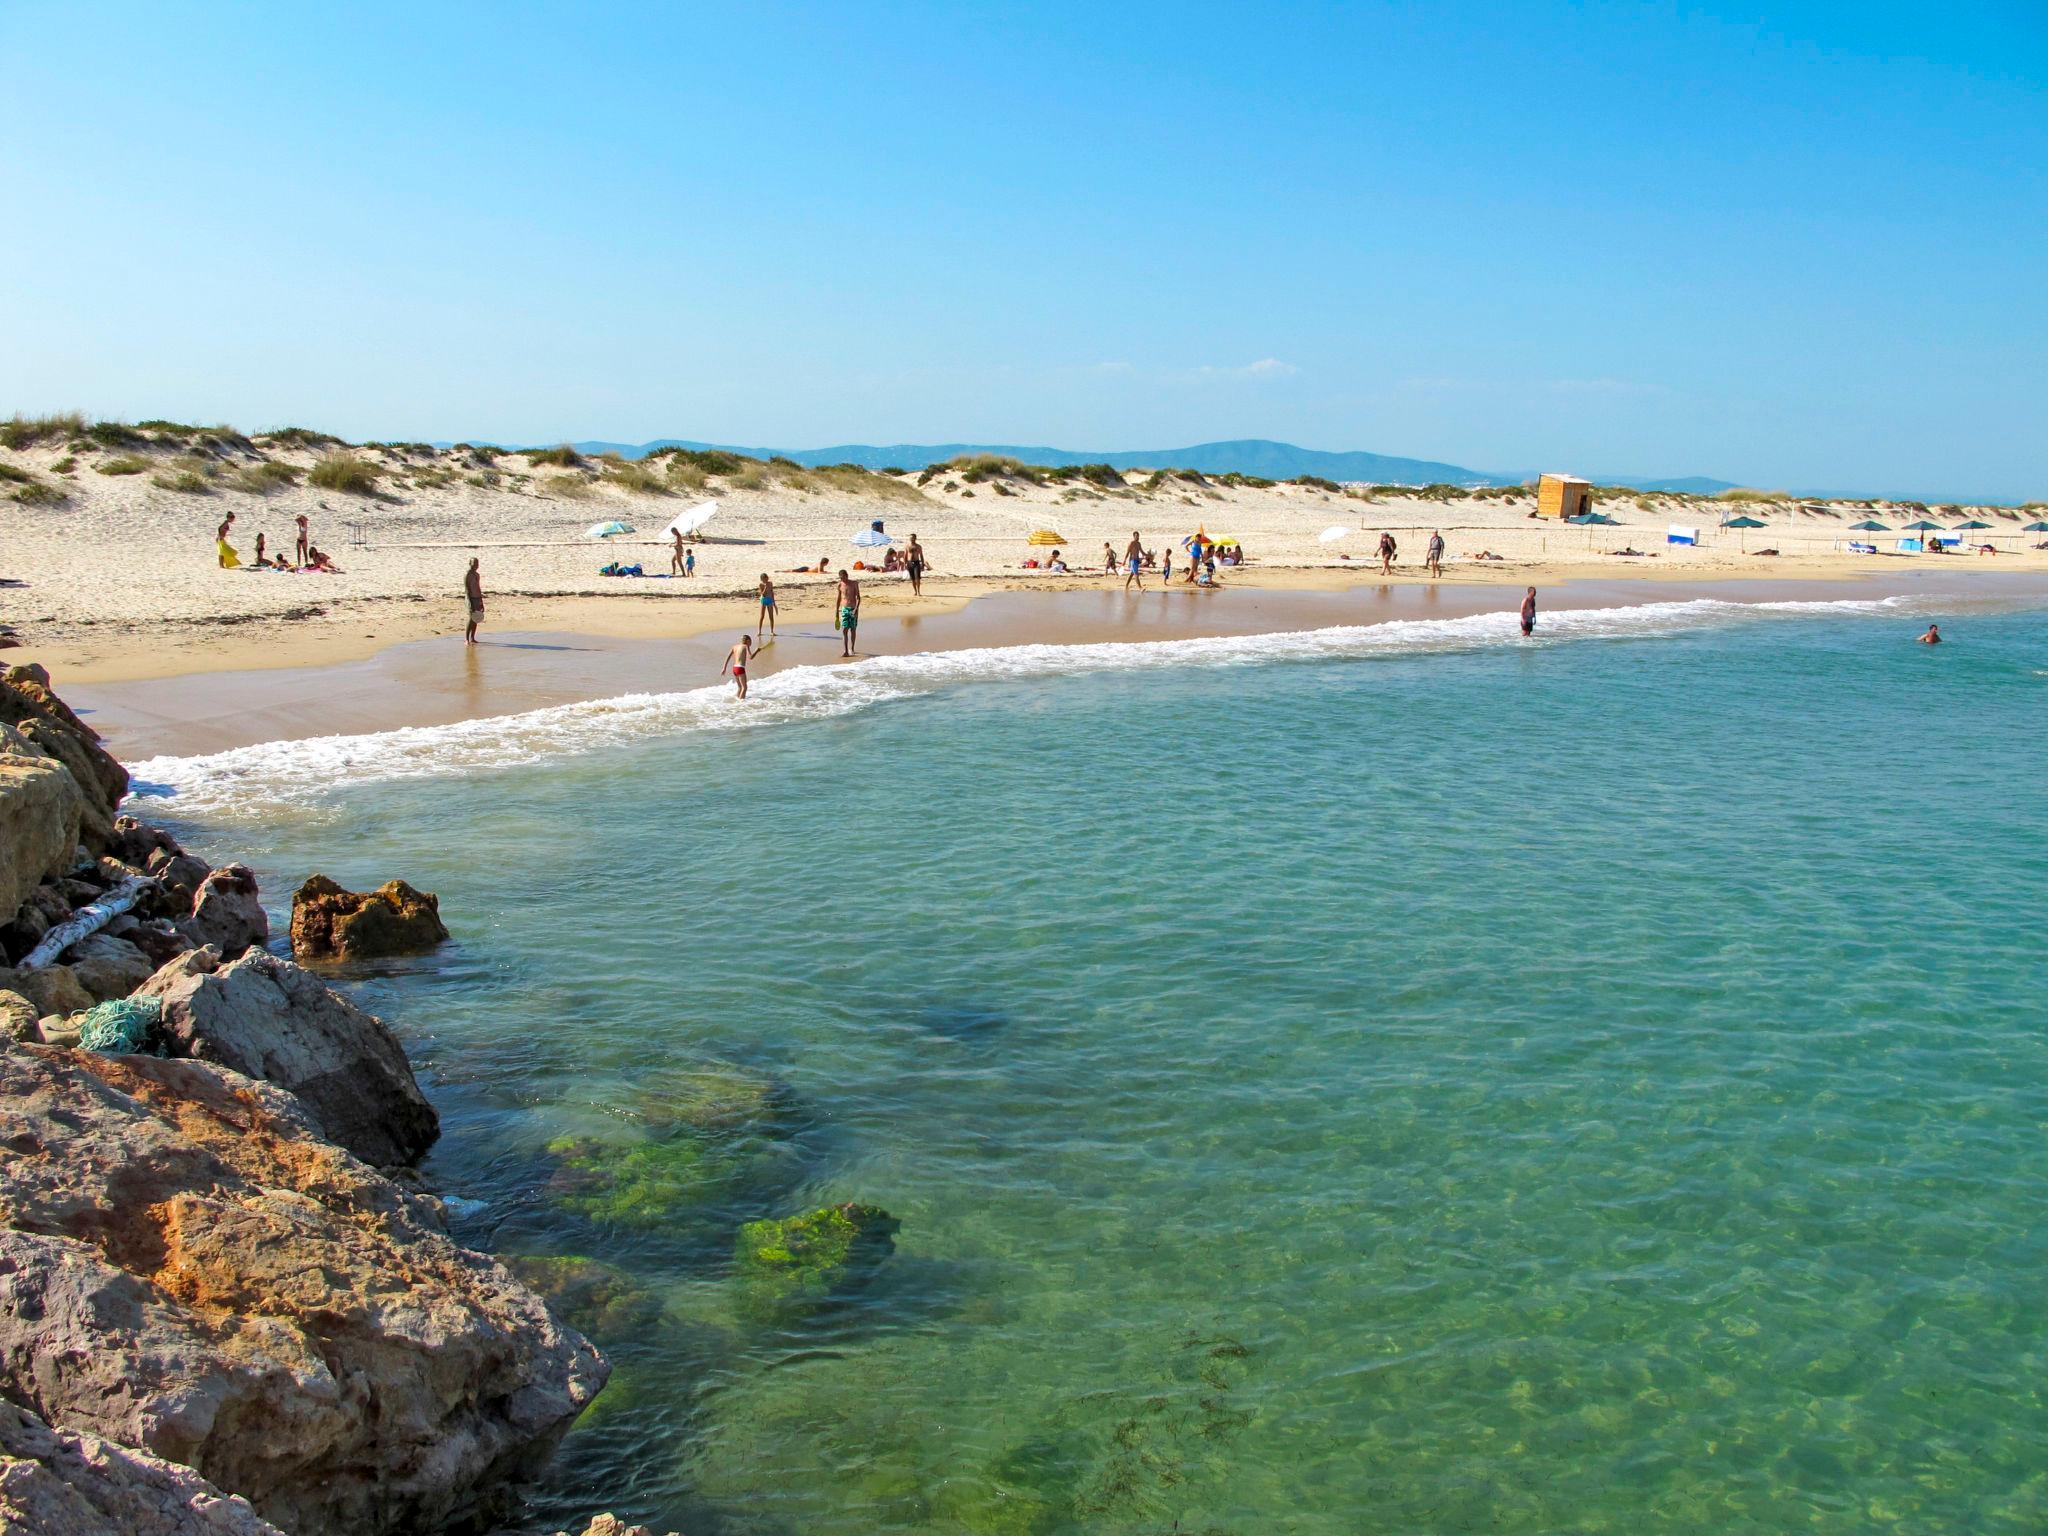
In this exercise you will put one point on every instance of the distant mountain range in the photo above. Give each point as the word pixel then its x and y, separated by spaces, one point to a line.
pixel 1245 456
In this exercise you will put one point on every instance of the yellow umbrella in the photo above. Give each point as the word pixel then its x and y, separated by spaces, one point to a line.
pixel 1044 536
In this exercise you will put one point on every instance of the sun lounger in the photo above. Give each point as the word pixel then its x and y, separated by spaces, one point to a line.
pixel 1861 549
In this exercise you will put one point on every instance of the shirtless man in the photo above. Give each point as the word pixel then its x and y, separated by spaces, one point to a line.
pixel 849 612
pixel 1933 635
pixel 1134 563
pixel 1387 549
pixel 473 590
pixel 736 664
pixel 675 554
pixel 1436 554
pixel 1529 614
pixel 305 540
pixel 914 563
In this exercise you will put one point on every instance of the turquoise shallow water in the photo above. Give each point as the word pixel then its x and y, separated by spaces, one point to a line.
pixel 1592 1086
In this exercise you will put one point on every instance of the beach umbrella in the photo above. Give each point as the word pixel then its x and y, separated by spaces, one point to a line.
pixel 1599 519
pixel 1870 525
pixel 2035 527
pixel 872 537
pixel 692 521
pixel 606 530
pixel 1742 522
pixel 1971 526
pixel 1923 526
pixel 1044 536
pixel 1333 533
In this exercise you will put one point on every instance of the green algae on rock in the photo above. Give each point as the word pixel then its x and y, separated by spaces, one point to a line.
pixel 795 1263
pixel 588 1294
pixel 715 1136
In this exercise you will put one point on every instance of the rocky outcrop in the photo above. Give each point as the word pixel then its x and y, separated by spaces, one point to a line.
pixel 226 912
pixel 264 1017
pixel 329 922
pixel 42 719
pixel 40 807
pixel 62 1483
pixel 188 1269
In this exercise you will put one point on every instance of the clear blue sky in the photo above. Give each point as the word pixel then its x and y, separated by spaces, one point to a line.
pixel 1800 245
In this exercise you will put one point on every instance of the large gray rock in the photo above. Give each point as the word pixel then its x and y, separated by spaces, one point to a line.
pixel 226 913
pixel 187 1268
pixel 40 806
pixel 264 1017
pixel 108 967
pixel 61 1483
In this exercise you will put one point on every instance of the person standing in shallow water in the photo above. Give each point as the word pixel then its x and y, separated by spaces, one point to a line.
pixel 849 612
pixel 1529 614
pixel 736 663
pixel 473 591
pixel 767 591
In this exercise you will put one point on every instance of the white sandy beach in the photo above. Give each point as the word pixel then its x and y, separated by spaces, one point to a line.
pixel 115 575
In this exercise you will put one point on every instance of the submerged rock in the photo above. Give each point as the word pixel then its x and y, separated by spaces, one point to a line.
pixel 331 923
pixel 264 1017
pixel 590 1296
pixel 58 1482
pixel 188 1268
pixel 714 1135
pixel 797 1263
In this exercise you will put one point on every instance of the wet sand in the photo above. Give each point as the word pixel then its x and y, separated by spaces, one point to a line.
pixel 437 681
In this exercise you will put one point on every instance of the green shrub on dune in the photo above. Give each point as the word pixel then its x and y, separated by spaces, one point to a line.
pixel 562 457
pixel 344 472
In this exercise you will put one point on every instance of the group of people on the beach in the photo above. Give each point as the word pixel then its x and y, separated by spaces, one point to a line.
pixel 305 556
pixel 845 616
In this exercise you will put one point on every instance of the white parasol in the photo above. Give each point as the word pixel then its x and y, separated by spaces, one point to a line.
pixel 690 521
pixel 1333 533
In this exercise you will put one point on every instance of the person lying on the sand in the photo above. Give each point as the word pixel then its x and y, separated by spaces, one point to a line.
pixel 316 560
pixel 1763 551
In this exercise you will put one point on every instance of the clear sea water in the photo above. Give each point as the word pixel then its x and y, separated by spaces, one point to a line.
pixel 1378 1082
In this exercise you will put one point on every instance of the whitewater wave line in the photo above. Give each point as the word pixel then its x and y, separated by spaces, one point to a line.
pixel 296 771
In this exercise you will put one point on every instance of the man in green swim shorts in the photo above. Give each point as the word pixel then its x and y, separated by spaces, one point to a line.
pixel 849 612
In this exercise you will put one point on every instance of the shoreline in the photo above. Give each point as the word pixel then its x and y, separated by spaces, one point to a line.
pixel 359 627
pixel 251 692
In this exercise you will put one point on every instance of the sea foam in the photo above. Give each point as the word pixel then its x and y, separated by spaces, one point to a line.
pixel 276 773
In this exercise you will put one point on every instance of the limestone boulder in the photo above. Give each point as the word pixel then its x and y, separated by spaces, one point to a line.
pixel 107 966
pixel 51 988
pixel 31 707
pixel 40 811
pixel 329 922
pixel 188 1268
pixel 611 1525
pixel 57 1482
pixel 265 1017
pixel 226 913
pixel 18 1017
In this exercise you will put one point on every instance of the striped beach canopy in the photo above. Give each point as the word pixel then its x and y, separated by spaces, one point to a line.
pixel 1044 536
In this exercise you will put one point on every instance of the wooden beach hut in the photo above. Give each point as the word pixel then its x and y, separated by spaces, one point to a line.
pixel 1563 496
